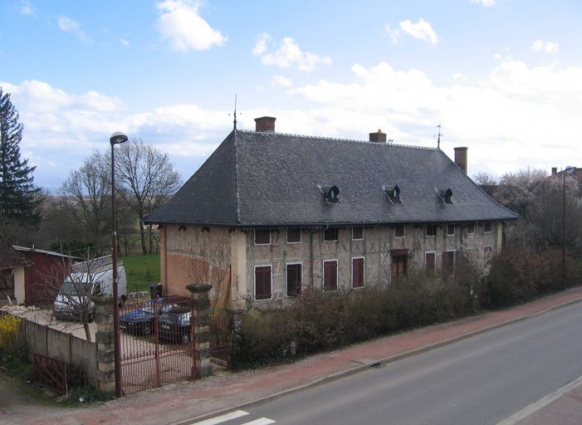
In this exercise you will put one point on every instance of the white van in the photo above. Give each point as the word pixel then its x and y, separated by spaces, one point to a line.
pixel 85 281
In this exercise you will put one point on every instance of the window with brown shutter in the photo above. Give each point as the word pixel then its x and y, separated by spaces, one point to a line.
pixel 357 272
pixel 293 280
pixel 330 275
pixel 399 231
pixel 293 235
pixel 449 262
pixel 357 233
pixel 262 237
pixel 262 282
pixel 399 264
pixel 430 263
pixel 430 230
pixel 330 235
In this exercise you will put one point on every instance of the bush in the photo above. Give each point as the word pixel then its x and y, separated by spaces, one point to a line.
pixel 319 321
pixel 518 275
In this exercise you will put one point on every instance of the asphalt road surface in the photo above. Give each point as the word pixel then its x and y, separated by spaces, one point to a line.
pixel 479 381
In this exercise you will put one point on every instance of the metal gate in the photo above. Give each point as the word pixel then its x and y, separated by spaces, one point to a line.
pixel 156 342
pixel 51 373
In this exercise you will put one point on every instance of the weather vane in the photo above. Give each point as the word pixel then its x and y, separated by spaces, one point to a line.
pixel 234 114
pixel 439 136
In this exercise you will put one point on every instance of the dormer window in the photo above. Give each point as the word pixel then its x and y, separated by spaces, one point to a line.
pixel 330 193
pixel 446 196
pixel 393 194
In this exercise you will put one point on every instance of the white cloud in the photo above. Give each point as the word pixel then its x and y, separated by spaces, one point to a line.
pixel 422 30
pixel 515 116
pixel 73 27
pixel 125 42
pixel 287 54
pixel 281 80
pixel 183 27
pixel 26 8
pixel 486 3
pixel 545 46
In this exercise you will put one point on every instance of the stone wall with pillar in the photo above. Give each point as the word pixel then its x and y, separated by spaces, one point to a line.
pixel 105 345
pixel 201 326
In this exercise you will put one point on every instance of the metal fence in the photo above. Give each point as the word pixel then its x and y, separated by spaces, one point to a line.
pixel 157 342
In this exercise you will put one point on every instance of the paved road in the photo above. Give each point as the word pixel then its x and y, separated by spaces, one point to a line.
pixel 478 381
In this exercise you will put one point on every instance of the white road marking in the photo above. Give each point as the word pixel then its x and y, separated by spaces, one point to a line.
pixel 223 418
pixel 262 421
pixel 544 401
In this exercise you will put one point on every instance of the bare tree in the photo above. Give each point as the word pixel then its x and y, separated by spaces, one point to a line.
pixel 86 196
pixel 518 190
pixel 70 289
pixel 485 179
pixel 209 263
pixel 146 179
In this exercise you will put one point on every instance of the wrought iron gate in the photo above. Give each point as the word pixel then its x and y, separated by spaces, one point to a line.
pixel 157 343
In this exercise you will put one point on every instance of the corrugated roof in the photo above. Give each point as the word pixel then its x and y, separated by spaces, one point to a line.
pixel 274 179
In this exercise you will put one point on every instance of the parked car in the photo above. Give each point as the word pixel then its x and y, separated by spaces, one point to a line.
pixel 141 320
pixel 174 325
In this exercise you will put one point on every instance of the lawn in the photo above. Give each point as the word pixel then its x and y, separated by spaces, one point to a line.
pixel 141 270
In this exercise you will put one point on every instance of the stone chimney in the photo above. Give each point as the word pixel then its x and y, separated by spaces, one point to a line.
pixel 461 158
pixel 554 171
pixel 378 137
pixel 265 124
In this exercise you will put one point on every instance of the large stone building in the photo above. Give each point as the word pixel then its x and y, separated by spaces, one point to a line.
pixel 278 212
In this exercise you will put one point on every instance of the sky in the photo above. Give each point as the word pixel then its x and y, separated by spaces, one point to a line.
pixel 501 77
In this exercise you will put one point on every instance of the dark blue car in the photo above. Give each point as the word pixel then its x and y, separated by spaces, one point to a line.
pixel 141 320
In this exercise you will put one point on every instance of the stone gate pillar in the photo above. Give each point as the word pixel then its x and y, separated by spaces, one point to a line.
pixel 201 319
pixel 105 350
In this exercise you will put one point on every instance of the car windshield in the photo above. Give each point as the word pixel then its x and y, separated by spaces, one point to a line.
pixel 175 316
pixel 148 308
pixel 79 289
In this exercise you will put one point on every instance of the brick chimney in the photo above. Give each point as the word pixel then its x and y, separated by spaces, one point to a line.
pixel 265 124
pixel 461 158
pixel 378 137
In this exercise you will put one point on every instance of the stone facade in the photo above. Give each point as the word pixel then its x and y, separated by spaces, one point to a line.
pixel 182 247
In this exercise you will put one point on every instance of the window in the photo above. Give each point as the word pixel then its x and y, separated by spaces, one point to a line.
pixel 330 235
pixel 488 253
pixel 470 228
pixel 449 262
pixel 430 260
pixel 430 230
pixel 450 230
pixel 399 261
pixel 357 233
pixel 487 227
pixel 357 272
pixel 293 280
pixel 262 237
pixel 293 235
pixel 399 231
pixel 330 275
pixel 262 282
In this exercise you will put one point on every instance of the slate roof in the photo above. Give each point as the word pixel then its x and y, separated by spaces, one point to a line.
pixel 10 258
pixel 258 179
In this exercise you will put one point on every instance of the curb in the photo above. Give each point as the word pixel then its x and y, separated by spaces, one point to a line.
pixel 394 358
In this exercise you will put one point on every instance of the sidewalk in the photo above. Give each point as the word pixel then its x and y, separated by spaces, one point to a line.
pixel 184 401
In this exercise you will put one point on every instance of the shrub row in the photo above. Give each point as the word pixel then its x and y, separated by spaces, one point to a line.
pixel 320 321
pixel 518 275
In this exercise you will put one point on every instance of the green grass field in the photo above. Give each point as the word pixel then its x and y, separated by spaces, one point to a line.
pixel 141 270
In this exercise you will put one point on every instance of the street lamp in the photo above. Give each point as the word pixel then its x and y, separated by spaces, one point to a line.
pixel 115 139
pixel 567 170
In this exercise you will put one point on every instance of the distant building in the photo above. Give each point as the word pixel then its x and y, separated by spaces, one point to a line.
pixel 293 211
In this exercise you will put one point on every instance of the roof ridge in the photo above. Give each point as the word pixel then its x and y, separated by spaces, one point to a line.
pixel 338 139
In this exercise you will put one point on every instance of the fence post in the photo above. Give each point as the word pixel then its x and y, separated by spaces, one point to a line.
pixel 201 324
pixel 105 349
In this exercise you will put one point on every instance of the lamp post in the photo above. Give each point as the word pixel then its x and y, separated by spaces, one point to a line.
pixel 115 139
pixel 567 170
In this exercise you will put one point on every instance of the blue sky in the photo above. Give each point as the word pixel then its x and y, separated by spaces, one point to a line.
pixel 503 77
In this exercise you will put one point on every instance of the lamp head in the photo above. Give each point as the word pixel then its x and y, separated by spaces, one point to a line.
pixel 117 138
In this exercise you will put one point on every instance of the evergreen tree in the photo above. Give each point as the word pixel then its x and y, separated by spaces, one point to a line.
pixel 19 203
